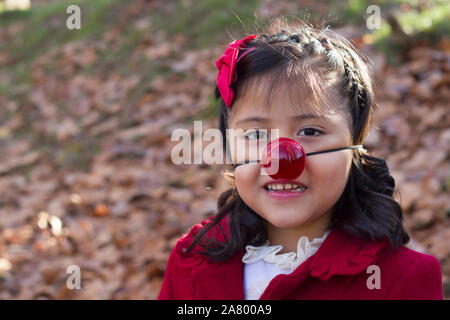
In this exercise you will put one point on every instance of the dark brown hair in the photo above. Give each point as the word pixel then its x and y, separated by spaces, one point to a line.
pixel 366 208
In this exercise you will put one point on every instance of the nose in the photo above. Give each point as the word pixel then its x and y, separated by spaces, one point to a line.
pixel 284 158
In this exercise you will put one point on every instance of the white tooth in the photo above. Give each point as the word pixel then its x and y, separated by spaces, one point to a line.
pixel 287 186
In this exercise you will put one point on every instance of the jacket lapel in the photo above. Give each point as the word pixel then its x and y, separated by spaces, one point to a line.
pixel 340 254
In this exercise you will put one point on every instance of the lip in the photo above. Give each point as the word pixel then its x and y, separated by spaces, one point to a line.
pixel 284 195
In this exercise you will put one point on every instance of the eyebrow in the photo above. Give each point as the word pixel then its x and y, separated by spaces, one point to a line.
pixel 299 117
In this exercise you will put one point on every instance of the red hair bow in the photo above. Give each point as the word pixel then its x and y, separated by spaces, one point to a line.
pixel 227 65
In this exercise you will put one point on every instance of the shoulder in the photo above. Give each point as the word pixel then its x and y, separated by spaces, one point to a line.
pixel 219 232
pixel 406 258
pixel 415 275
pixel 178 283
pixel 185 240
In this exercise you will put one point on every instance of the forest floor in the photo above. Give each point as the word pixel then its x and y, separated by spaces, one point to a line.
pixel 86 116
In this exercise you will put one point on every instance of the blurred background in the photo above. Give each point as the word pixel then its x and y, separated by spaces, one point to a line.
pixel 86 117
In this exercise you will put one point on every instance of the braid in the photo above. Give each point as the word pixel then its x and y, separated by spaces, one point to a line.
pixel 357 88
pixel 341 57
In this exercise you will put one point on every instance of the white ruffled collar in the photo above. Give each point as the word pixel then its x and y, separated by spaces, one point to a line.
pixel 286 261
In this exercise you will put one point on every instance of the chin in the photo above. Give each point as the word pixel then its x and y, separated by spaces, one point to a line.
pixel 286 220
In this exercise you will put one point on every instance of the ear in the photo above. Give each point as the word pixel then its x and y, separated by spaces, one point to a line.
pixel 229 176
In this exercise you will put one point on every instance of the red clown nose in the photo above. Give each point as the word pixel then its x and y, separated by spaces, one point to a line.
pixel 284 158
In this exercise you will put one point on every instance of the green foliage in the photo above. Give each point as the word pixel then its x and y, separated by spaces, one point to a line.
pixel 203 22
pixel 421 24
pixel 45 26
pixel 212 109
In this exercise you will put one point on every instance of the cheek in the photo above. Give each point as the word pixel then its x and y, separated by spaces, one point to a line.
pixel 246 177
pixel 329 174
pixel 247 183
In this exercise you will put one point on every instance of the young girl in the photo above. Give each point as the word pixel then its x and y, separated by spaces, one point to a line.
pixel 324 225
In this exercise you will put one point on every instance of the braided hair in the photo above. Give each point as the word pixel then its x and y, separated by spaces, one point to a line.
pixel 366 208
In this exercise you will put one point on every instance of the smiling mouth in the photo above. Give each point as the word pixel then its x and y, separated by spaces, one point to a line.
pixel 284 188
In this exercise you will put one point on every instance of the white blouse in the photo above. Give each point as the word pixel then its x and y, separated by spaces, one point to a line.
pixel 263 263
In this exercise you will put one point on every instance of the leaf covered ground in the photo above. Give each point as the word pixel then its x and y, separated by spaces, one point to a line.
pixel 86 118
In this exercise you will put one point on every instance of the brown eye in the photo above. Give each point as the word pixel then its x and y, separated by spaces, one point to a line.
pixel 311 132
pixel 255 135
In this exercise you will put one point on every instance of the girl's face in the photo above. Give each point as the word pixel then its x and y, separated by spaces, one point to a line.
pixel 325 175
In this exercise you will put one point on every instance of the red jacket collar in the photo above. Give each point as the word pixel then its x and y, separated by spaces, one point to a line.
pixel 342 254
pixel 339 254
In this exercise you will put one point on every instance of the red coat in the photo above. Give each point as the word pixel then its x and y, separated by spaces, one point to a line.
pixel 338 270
